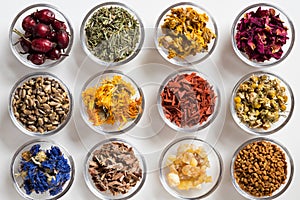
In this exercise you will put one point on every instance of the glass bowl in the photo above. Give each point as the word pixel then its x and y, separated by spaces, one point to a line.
pixel 108 56
pixel 18 50
pixel 268 57
pixel 185 151
pixel 27 184
pixel 111 119
pixel 178 101
pixel 201 51
pixel 40 104
pixel 260 104
pixel 121 163
pixel 261 144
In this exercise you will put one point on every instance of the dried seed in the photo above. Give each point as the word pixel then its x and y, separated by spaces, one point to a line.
pixel 32 101
pixel 267 175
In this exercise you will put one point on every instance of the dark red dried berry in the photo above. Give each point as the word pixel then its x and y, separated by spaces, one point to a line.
pixel 62 39
pixel 37 58
pixel 45 15
pixel 42 45
pixel 58 25
pixel 41 30
pixel 28 23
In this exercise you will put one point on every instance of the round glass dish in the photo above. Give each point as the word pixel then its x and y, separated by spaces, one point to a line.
pixel 26 186
pixel 122 164
pixel 258 145
pixel 40 104
pixel 261 102
pixel 207 157
pixel 179 99
pixel 107 56
pixel 119 107
pixel 201 51
pixel 263 57
pixel 17 25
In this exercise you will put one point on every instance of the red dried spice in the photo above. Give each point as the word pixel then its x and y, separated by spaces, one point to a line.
pixel 188 100
pixel 261 35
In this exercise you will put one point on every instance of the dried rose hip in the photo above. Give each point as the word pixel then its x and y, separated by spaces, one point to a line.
pixel 43 37
pixel 261 35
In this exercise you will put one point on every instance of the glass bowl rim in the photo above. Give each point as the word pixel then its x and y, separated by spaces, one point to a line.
pixel 138 46
pixel 190 138
pixel 211 118
pixel 132 82
pixel 186 63
pixel 245 127
pixel 19 83
pixel 246 59
pixel 259 139
pixel 137 153
pixel 54 62
pixel 66 154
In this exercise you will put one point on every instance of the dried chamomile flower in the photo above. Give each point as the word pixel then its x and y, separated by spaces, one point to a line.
pixel 260 101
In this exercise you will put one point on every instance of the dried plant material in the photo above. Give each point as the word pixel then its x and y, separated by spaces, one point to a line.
pixel 41 104
pixel 44 171
pixel 185 33
pixel 188 100
pixel 260 168
pixel 260 101
pixel 112 101
pixel 187 169
pixel 112 33
pixel 261 35
pixel 115 168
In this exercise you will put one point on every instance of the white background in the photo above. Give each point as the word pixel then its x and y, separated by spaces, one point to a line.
pixel 148 68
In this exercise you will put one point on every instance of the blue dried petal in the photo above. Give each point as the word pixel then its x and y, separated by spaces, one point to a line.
pixel 36 178
pixel 35 149
pixel 56 190
pixel 48 164
pixel 63 165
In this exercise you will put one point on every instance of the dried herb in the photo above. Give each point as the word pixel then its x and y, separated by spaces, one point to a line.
pixel 112 101
pixel 112 34
pixel 260 168
pixel 115 168
pixel 188 100
pixel 185 33
pixel 187 169
pixel 261 35
pixel 44 170
pixel 260 101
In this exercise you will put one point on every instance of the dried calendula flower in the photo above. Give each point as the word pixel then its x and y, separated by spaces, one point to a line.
pixel 185 33
pixel 260 101
pixel 112 102
pixel 187 170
